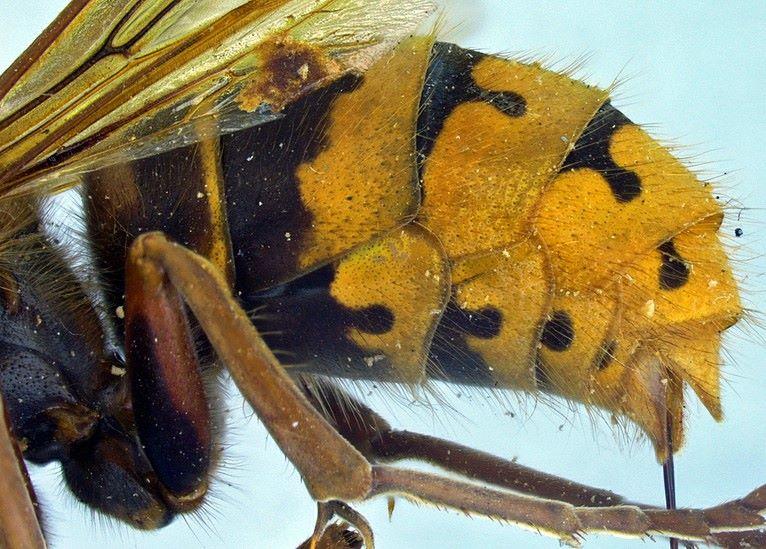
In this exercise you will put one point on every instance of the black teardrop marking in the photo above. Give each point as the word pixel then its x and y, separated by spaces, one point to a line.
pixel 484 324
pixel 509 103
pixel 674 271
pixel 311 329
pixel 449 83
pixel 451 357
pixel 558 332
pixel 375 319
pixel 592 151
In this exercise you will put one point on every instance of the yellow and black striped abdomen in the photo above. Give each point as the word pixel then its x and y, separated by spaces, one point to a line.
pixel 585 257
pixel 459 216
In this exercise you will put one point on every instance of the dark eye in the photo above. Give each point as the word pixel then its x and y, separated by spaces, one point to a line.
pixel 109 472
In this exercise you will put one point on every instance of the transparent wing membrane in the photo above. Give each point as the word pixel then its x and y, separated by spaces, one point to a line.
pixel 113 81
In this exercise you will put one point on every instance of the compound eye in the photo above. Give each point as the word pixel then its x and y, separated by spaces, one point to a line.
pixel 46 417
pixel 108 472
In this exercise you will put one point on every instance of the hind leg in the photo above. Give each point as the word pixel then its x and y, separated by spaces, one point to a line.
pixel 333 469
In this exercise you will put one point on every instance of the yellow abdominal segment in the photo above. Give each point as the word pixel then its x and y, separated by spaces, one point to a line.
pixel 555 245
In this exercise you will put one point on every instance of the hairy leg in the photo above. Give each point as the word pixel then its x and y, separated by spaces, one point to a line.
pixel 333 469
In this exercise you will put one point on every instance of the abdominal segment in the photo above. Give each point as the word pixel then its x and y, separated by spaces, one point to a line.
pixel 458 216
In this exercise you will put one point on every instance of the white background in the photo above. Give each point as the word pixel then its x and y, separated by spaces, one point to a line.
pixel 695 70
